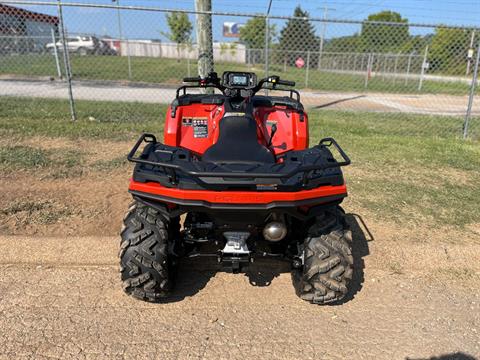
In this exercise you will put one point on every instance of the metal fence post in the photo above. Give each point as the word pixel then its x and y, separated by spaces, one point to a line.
pixel 267 35
pixel 472 94
pixel 369 69
pixel 469 59
pixel 395 68
pixel 55 54
pixel 424 66
pixel 306 68
pixel 267 38
pixel 384 67
pixel 129 61
pixel 66 59
pixel 409 63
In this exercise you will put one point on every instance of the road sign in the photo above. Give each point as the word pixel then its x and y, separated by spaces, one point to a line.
pixel 299 63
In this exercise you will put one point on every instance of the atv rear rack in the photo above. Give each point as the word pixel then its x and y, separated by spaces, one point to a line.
pixel 305 169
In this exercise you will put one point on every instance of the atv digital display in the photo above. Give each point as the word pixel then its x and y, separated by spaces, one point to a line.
pixel 239 80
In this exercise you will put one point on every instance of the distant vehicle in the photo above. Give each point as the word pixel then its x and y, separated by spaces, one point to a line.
pixel 83 45
pixel 104 48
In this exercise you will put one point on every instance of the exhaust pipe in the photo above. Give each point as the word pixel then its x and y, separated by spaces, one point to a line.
pixel 275 231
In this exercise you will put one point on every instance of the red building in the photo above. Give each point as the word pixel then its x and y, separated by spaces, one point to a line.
pixel 24 31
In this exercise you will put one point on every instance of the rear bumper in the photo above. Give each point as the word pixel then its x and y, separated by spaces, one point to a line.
pixel 238 199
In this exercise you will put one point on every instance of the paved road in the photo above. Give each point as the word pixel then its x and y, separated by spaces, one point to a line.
pixel 61 298
pixel 111 91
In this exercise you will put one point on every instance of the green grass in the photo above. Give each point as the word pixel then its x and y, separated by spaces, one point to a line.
pixel 97 120
pixel 407 178
pixel 121 120
pixel 169 71
pixel 60 163
pixel 22 157
pixel 410 169
pixel 109 165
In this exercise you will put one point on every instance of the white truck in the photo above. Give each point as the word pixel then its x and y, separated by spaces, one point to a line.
pixel 81 45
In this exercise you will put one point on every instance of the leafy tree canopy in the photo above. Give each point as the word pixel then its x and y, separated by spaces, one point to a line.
pixel 448 50
pixel 252 34
pixel 180 28
pixel 383 37
pixel 342 44
pixel 298 35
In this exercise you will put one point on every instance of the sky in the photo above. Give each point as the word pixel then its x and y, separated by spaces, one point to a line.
pixel 151 25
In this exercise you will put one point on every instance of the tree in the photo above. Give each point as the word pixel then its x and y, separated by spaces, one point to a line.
pixel 252 34
pixel 448 50
pixel 382 38
pixel 298 37
pixel 342 44
pixel 416 44
pixel 180 30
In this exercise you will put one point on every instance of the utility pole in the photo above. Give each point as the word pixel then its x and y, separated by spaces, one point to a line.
pixel 119 19
pixel 204 37
pixel 322 35
pixel 120 35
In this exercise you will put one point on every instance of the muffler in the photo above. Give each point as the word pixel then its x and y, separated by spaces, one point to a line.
pixel 274 231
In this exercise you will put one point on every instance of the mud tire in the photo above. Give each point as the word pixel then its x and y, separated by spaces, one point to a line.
pixel 145 267
pixel 328 260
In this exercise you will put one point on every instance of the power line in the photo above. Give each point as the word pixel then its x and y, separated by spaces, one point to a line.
pixel 381 4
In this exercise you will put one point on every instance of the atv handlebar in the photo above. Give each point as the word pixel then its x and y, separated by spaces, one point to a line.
pixel 275 80
pixel 192 79
pixel 212 80
pixel 286 82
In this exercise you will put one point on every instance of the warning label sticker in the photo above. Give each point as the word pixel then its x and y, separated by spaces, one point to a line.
pixel 200 130
pixel 200 126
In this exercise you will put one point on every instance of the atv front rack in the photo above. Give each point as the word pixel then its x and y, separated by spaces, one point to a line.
pixel 302 163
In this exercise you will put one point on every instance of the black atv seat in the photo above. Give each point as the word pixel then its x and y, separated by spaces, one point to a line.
pixel 237 143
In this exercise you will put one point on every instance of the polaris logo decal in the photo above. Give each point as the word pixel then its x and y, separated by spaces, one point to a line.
pixel 237 198
pixel 187 122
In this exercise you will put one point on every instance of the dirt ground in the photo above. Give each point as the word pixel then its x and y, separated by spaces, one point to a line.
pixel 61 298
pixel 415 294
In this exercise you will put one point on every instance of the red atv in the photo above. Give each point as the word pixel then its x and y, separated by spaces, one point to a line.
pixel 238 167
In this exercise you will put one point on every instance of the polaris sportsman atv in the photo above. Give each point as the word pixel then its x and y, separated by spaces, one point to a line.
pixel 237 167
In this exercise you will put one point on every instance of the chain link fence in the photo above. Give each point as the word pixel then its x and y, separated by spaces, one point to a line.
pixel 422 78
